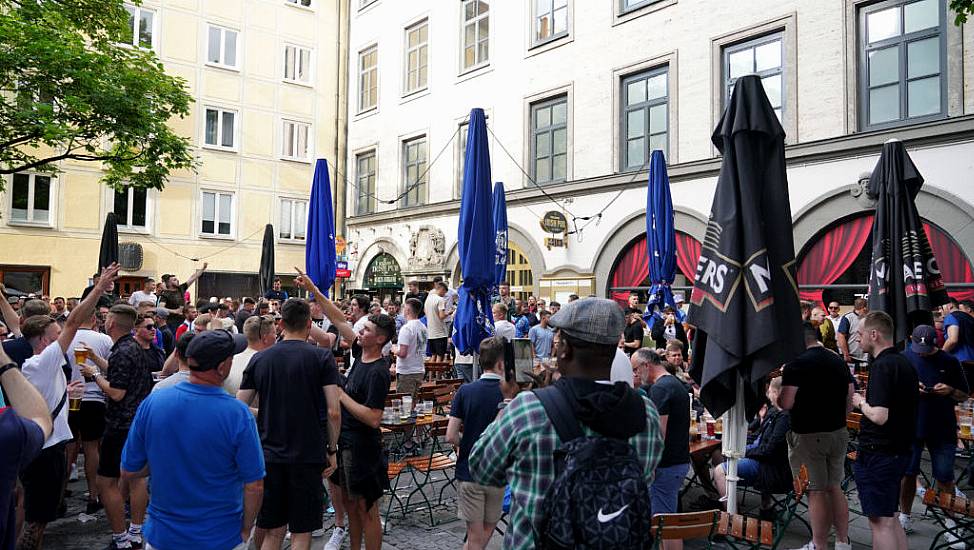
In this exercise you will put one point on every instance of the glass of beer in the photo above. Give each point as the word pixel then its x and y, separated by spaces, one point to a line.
pixel 965 427
pixel 80 356
pixel 407 407
pixel 74 399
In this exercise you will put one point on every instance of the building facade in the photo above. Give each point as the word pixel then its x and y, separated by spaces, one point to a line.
pixel 577 94
pixel 267 77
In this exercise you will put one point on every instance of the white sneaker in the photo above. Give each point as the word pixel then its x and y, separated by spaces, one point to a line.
pixel 906 522
pixel 843 545
pixel 335 542
pixel 74 473
pixel 809 546
pixel 951 538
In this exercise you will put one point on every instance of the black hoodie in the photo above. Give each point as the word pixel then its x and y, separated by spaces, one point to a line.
pixel 615 411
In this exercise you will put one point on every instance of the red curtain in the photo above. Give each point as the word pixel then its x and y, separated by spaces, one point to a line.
pixel 832 255
pixel 632 270
pixel 953 263
pixel 687 255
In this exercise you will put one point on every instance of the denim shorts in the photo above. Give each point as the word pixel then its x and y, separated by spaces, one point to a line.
pixel 941 460
pixel 878 478
pixel 665 490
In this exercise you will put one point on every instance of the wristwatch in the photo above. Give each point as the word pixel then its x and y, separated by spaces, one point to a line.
pixel 8 366
pixel 332 450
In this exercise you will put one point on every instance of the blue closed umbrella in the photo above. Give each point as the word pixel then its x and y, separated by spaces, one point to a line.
pixel 475 241
pixel 660 238
pixel 319 250
pixel 500 234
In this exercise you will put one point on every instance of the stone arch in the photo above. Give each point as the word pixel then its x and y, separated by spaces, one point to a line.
pixel 514 233
pixel 378 246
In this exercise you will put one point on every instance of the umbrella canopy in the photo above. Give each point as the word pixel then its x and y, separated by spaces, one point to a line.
pixel 500 234
pixel 905 280
pixel 108 251
pixel 475 242
pixel 266 274
pixel 744 303
pixel 660 237
pixel 319 248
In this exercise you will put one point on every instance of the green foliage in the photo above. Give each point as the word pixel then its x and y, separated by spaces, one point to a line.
pixel 70 88
pixel 962 8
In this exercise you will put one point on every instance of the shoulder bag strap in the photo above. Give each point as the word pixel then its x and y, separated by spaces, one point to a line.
pixel 560 413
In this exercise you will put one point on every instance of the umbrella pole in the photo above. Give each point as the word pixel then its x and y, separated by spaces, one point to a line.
pixel 735 429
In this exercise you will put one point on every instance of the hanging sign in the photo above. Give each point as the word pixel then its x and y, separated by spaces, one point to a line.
pixel 340 244
pixel 554 222
pixel 555 242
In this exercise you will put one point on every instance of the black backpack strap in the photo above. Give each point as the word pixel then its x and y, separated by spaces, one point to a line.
pixel 560 412
pixel 60 405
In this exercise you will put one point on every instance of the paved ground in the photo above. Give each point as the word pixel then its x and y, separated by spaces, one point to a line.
pixel 414 533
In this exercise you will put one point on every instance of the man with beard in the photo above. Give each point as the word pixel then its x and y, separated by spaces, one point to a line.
pixel 173 297
pixel 822 323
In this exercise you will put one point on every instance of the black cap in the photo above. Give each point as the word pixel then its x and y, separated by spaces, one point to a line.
pixel 924 339
pixel 210 348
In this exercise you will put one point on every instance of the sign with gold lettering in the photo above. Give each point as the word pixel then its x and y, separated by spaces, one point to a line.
pixel 554 222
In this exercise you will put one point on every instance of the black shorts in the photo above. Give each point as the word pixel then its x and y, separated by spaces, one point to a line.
pixel 437 346
pixel 878 478
pixel 294 496
pixel 88 424
pixel 110 454
pixel 43 481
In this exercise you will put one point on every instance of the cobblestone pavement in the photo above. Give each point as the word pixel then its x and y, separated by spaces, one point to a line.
pixel 414 532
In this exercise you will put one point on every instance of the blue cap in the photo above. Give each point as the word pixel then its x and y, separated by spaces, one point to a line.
pixel 924 339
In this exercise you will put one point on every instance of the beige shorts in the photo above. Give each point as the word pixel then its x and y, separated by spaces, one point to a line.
pixel 479 503
pixel 408 383
pixel 823 454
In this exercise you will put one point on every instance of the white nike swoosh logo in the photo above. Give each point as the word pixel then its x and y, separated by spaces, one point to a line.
pixel 609 517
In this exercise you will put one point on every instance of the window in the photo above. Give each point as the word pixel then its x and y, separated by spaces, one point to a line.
pixel 365 181
pixel 476 30
pixel 368 79
pixel 626 6
pixel 461 158
pixel 417 43
pixel 549 140
pixel 294 219
pixel 901 62
pixel 221 128
pixel 550 20
pixel 221 47
pixel 644 116
pixel 294 144
pixel 414 171
pixel 304 3
pixel 761 56
pixel 131 207
pixel 216 212
pixel 297 64
pixel 27 279
pixel 30 199
pixel 140 31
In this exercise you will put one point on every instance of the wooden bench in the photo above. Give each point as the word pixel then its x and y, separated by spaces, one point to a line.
pixel 960 510
pixel 756 533
pixel 687 526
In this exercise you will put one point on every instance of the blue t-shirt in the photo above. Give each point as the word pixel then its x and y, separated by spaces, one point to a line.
pixel 522 326
pixel 202 447
pixel 541 339
pixel 476 405
pixel 964 351
pixel 20 440
pixel 936 420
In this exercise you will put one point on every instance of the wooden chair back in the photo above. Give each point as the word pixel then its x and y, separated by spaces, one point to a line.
pixel 686 526
pixel 853 421
pixel 948 502
pixel 746 528
pixel 801 482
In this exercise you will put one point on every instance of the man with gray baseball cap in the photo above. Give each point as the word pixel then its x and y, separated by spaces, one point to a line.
pixel 522 438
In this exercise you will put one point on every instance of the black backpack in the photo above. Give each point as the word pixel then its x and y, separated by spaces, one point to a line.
pixel 598 498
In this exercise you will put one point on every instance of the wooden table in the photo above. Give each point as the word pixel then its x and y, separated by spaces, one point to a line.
pixel 403 433
pixel 703 447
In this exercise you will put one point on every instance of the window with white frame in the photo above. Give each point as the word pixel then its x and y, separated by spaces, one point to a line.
pixel 644 116
pixel 550 20
pixel 417 54
pixel 303 3
pixel 626 6
pixel 476 32
pixel 141 30
pixel 131 208
pixel 549 143
pixel 297 64
pixel 221 128
pixel 216 213
pixel 221 46
pixel 294 219
pixel 763 57
pixel 414 159
pixel 902 62
pixel 365 182
pixel 295 139
pixel 30 198
pixel 368 78
pixel 461 158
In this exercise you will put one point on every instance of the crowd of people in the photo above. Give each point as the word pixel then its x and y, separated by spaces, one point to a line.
pixel 228 421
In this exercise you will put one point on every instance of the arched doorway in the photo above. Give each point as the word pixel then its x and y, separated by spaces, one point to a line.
pixel 631 270
pixel 834 264
pixel 519 273
pixel 383 277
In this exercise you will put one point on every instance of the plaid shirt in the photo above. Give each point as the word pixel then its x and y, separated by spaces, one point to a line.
pixel 518 449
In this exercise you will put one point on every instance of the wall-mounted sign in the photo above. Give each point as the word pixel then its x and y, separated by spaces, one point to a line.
pixel 554 222
pixel 555 242
pixel 340 244
pixel 383 272
pixel 341 264
pixel 343 273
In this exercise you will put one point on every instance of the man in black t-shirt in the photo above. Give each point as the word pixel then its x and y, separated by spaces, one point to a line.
pixel 173 298
pixel 887 430
pixel 818 388
pixel 296 384
pixel 633 334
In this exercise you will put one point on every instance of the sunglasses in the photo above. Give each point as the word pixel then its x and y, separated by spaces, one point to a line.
pixel 149 326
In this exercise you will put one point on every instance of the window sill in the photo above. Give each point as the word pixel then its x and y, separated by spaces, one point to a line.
pixel 371 111
pixel 296 160
pixel 474 72
pixel 217 237
pixel 24 223
pixel 134 230
pixel 413 96
pixel 367 7
pixel 894 124
pixel 282 240
pixel 639 11
pixel 308 85
pixel 549 44
pixel 218 148
pixel 222 67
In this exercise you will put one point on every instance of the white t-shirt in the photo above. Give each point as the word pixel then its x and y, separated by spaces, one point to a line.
pixel 505 329
pixel 240 362
pixel 138 297
pixel 102 345
pixel 177 377
pixel 414 335
pixel 434 325
pixel 621 368
pixel 44 372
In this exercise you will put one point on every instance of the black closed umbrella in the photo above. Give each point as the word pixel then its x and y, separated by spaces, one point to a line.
pixel 108 251
pixel 904 279
pixel 267 260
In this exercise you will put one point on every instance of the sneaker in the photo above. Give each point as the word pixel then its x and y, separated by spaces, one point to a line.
pixel 92 507
pixel 843 545
pixel 808 546
pixel 74 473
pixel 335 542
pixel 136 541
pixel 906 522
pixel 114 545
pixel 951 538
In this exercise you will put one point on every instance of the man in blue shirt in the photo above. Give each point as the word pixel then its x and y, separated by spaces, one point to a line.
pixel 474 408
pixel 542 336
pixel 202 449
pixel 276 293
pixel 522 324
pixel 959 330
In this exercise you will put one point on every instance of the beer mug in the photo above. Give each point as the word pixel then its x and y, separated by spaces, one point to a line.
pixel 80 356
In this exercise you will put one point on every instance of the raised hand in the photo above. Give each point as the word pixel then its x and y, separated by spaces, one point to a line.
pixel 107 277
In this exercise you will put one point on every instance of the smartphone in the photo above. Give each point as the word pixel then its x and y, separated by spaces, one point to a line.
pixel 523 364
